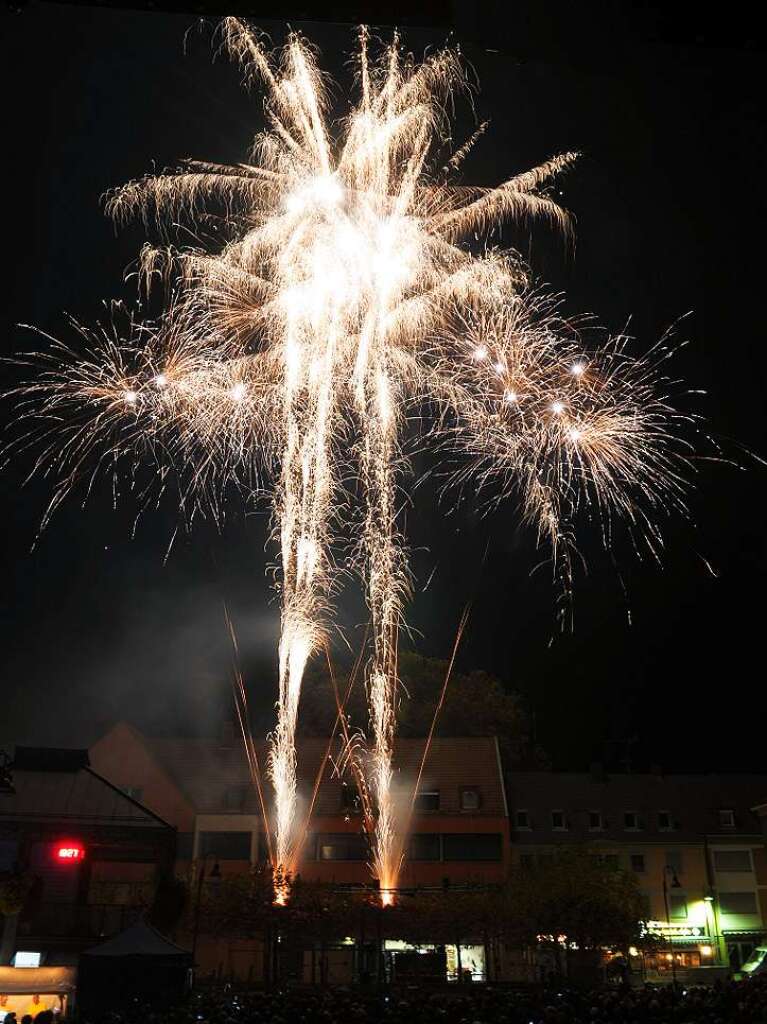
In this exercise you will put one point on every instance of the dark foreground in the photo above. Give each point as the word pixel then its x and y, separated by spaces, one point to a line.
pixel 732 1003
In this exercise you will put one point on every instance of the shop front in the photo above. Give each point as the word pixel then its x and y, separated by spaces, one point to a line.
pixel 34 989
pixel 432 963
pixel 677 948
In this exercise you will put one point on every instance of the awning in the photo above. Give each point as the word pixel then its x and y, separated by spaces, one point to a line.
pixel 31 980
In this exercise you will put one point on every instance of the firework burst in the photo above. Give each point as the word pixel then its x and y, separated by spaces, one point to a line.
pixel 343 301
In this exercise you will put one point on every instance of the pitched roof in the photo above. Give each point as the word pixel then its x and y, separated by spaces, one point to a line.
pixel 79 797
pixel 204 770
pixel 138 940
pixel 694 802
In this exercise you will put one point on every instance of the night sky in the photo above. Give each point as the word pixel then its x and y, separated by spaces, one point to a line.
pixel 663 662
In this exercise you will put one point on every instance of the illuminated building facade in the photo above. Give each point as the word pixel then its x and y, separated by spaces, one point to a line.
pixel 458 833
pixel 80 860
pixel 693 842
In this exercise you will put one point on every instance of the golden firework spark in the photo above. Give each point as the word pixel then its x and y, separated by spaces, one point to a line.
pixel 342 301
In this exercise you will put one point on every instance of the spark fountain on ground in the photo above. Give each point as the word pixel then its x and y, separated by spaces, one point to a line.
pixel 341 302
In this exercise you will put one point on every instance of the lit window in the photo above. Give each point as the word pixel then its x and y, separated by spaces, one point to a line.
pixel 631 821
pixel 677 905
pixel 427 800
pixel 595 821
pixel 727 818
pixel 343 846
pixel 523 819
pixel 558 821
pixel 637 862
pixel 470 798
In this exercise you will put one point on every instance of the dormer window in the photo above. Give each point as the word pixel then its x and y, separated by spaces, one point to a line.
pixel 631 821
pixel 427 800
pixel 595 821
pixel 470 798
pixel 522 819
pixel 350 798
pixel 665 821
pixel 726 818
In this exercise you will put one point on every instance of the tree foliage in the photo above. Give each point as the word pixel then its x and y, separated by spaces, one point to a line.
pixel 574 895
pixel 476 704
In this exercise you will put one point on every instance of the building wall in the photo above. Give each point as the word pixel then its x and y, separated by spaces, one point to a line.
pixel 122 757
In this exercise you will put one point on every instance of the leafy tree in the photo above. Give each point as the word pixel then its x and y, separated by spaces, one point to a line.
pixel 476 704
pixel 575 896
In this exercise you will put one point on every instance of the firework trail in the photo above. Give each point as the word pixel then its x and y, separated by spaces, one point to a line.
pixel 342 301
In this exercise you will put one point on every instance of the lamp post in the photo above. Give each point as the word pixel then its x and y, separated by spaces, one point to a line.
pixel 215 873
pixel 675 884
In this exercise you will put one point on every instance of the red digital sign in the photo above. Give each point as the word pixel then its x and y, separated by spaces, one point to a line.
pixel 69 852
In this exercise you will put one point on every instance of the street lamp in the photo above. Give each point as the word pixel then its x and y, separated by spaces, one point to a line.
pixel 675 884
pixel 215 873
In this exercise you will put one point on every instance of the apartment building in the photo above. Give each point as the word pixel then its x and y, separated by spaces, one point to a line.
pixel 82 861
pixel 694 843
pixel 458 831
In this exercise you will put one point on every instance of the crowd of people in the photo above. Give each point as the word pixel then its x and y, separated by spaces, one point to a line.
pixel 723 1003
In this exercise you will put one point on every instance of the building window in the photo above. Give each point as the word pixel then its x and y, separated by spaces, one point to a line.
pixel 342 846
pixel 134 792
pixel 234 797
pixel 675 861
pixel 665 821
pixel 350 798
pixel 608 861
pixel 737 902
pixel 225 845
pixel 427 800
pixel 522 819
pixel 468 846
pixel 470 798
pixel 527 861
pixel 558 821
pixel 637 862
pixel 425 846
pixel 732 860
pixel 595 821
pixel 631 821
pixel 677 905
pixel 727 818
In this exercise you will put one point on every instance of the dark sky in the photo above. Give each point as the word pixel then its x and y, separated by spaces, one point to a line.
pixel 670 207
